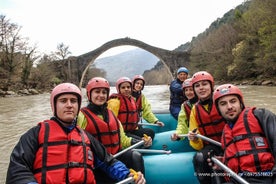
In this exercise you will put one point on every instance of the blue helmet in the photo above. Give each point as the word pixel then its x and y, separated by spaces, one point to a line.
pixel 182 69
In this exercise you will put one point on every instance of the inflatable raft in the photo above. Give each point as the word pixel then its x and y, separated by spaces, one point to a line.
pixel 173 168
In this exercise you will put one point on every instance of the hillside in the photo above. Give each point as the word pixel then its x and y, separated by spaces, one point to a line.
pixel 128 64
pixel 240 46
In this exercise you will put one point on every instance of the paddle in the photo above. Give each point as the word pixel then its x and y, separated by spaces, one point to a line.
pixel 130 179
pixel 153 151
pixel 126 181
pixel 228 170
pixel 129 148
pixel 203 138
pixel 149 124
pixel 216 161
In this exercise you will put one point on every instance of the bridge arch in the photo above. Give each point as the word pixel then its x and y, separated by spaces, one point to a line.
pixel 171 59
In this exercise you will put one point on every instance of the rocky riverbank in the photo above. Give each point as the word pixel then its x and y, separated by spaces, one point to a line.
pixel 25 92
pixel 22 92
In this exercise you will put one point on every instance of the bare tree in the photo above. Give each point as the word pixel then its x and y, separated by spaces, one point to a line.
pixel 63 53
pixel 16 57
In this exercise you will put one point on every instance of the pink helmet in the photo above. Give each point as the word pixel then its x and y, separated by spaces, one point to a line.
pixel 97 82
pixel 227 89
pixel 203 75
pixel 138 77
pixel 120 81
pixel 64 88
pixel 187 83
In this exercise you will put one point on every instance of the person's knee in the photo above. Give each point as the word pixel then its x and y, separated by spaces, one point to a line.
pixel 138 161
pixel 200 164
pixel 137 156
pixel 198 158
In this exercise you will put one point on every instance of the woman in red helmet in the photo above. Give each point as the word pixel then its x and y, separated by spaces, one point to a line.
pixel 59 151
pixel 124 107
pixel 248 138
pixel 204 120
pixel 186 107
pixel 144 107
pixel 104 126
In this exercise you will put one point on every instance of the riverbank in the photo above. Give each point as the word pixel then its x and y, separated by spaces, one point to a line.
pixel 26 92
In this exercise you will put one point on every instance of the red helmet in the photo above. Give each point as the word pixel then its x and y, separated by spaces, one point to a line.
pixel 203 75
pixel 64 88
pixel 120 81
pixel 187 83
pixel 96 82
pixel 227 89
pixel 138 77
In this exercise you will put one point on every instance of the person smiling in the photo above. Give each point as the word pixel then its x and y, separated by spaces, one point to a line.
pixel 204 120
pixel 176 92
pixel 248 138
pixel 186 107
pixel 104 126
pixel 143 105
pixel 59 151
pixel 124 107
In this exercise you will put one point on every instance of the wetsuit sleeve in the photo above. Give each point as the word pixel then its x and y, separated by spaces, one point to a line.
pixel 182 124
pixel 147 112
pixel 198 144
pixel 22 158
pixel 105 161
pixel 113 104
pixel 268 122
pixel 82 122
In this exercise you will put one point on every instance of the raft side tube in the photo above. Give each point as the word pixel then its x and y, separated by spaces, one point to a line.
pixel 163 141
pixel 176 168
pixel 166 118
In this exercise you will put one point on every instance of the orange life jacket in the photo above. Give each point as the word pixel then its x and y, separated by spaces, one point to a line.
pixel 108 133
pixel 128 112
pixel 63 157
pixel 210 124
pixel 246 147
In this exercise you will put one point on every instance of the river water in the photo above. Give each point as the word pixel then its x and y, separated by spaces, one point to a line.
pixel 18 114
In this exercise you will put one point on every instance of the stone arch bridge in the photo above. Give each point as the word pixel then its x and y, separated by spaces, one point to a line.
pixel 171 59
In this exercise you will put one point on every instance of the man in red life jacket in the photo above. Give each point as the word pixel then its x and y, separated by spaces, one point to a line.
pixel 248 138
pixel 59 151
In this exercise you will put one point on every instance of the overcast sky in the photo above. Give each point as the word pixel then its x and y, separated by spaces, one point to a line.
pixel 85 25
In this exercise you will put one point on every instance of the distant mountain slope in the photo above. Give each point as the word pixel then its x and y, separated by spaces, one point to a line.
pixel 128 64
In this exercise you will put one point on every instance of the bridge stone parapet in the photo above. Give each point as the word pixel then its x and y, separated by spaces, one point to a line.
pixel 171 59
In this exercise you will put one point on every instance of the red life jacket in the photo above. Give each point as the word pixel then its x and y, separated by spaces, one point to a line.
pixel 128 112
pixel 210 124
pixel 139 105
pixel 187 108
pixel 246 147
pixel 61 157
pixel 108 133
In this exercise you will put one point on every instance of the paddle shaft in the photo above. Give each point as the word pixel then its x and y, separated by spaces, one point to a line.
pixel 129 148
pixel 148 124
pixel 126 181
pixel 203 138
pixel 228 170
pixel 153 151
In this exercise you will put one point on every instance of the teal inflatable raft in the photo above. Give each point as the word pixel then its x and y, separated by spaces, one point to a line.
pixel 174 168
